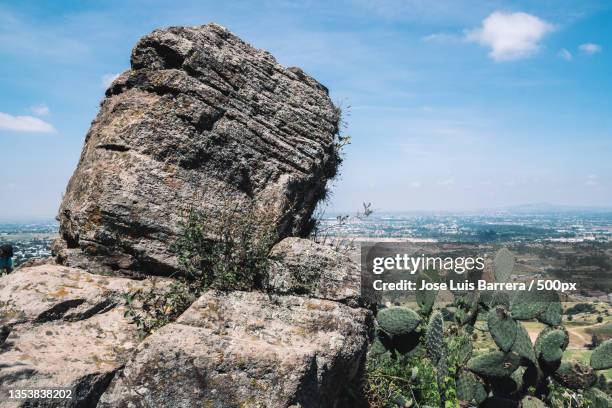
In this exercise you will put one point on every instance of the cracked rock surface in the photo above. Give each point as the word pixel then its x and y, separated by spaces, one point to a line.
pixel 303 267
pixel 64 327
pixel 202 119
pixel 247 349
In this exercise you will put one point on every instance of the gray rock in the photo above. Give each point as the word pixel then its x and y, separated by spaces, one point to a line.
pixel 63 327
pixel 303 267
pixel 201 121
pixel 247 349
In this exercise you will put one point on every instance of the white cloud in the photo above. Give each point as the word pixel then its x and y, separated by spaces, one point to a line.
pixel 510 36
pixel 415 184
pixel 40 110
pixel 565 54
pixel 441 38
pixel 590 48
pixel 26 124
pixel 107 79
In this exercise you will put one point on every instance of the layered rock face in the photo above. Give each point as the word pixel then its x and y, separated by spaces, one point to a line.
pixel 201 120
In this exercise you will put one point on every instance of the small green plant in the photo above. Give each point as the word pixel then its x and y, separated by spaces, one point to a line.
pixel 219 249
pixel 155 307
pixel 227 249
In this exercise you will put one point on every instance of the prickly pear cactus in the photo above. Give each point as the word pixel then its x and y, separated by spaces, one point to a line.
pixel 464 348
pixel 601 359
pixel 397 321
pixel 504 265
pixel 500 297
pixel 502 327
pixel 575 375
pixel 597 398
pixel 495 364
pixel 517 379
pixel 377 348
pixel 470 388
pixel 528 304
pixel 425 298
pixel 552 315
pixel 522 345
pixel 442 372
pixel 434 338
pixel 550 345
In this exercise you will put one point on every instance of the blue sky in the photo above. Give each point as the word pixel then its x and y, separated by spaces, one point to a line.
pixel 451 104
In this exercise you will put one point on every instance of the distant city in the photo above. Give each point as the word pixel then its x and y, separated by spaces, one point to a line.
pixel 33 239
pixel 29 239
pixel 493 227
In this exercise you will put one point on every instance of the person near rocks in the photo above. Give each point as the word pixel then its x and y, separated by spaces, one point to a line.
pixel 6 258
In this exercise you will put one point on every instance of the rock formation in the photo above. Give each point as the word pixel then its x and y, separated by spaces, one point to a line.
pixel 247 349
pixel 201 119
pixel 64 327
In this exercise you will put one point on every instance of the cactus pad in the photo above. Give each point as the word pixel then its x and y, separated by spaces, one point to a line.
pixel 494 364
pixel 434 338
pixel 575 375
pixel 502 327
pixel 463 346
pixel 601 359
pixel 550 345
pixel 377 348
pixel 522 345
pixel 527 304
pixel 425 298
pixel 504 265
pixel 397 321
pixel 598 398
pixel 470 388
pixel 552 315
pixel 500 297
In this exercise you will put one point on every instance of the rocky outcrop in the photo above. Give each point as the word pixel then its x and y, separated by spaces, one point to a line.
pixel 201 120
pixel 63 327
pixel 303 267
pixel 247 349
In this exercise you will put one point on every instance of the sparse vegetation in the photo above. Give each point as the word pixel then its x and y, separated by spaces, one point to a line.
pixel 218 249
pixel 581 308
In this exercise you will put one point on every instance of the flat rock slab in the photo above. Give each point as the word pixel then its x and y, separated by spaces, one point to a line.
pixel 247 349
pixel 205 122
pixel 64 328
pixel 50 292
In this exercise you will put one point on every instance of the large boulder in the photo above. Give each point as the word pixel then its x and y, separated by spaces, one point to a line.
pixel 201 121
pixel 64 328
pixel 247 349
pixel 303 267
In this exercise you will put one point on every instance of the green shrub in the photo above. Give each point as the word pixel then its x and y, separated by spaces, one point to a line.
pixel 227 249
pixel 581 308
